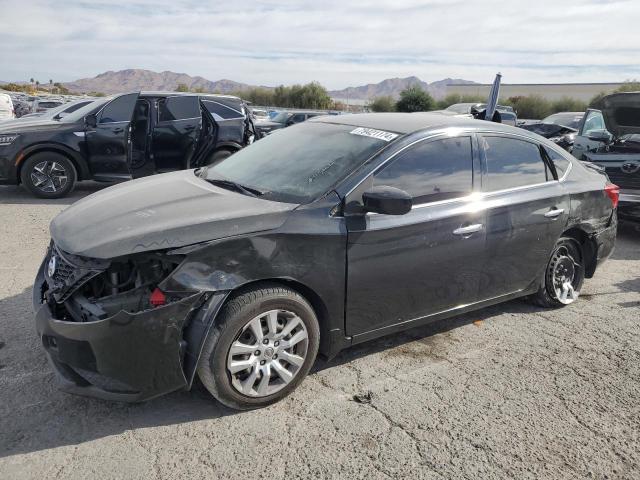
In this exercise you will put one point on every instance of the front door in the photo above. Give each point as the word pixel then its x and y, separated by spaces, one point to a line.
pixel 407 267
pixel 109 142
pixel 592 123
pixel 527 211
pixel 176 133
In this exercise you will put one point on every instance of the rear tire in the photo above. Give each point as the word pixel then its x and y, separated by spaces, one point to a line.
pixel 262 345
pixel 48 175
pixel 563 276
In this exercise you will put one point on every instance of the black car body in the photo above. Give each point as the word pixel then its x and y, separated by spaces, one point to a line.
pixel 123 137
pixel 285 119
pixel 609 136
pixel 370 224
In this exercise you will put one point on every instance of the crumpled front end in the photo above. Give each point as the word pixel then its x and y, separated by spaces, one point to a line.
pixel 107 329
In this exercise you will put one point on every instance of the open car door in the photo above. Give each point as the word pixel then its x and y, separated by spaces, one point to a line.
pixel 108 137
pixel 176 133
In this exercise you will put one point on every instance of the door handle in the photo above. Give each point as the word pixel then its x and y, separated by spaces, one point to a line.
pixel 468 230
pixel 554 213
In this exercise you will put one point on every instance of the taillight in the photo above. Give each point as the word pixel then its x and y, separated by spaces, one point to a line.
pixel 613 192
pixel 157 298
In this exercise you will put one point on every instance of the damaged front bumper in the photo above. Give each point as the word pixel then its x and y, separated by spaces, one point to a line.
pixel 125 357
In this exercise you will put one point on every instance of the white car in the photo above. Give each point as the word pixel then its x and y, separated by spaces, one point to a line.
pixel 6 108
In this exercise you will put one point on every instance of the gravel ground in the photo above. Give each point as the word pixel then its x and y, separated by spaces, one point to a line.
pixel 511 391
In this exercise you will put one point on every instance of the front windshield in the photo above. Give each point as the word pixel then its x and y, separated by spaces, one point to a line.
pixel 281 117
pixel 571 120
pixel 86 110
pixel 299 163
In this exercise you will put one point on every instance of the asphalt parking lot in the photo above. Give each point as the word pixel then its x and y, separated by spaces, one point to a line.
pixel 512 391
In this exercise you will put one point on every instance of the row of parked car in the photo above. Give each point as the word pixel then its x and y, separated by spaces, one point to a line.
pixel 139 134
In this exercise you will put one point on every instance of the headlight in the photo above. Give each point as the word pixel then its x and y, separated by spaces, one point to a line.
pixel 7 139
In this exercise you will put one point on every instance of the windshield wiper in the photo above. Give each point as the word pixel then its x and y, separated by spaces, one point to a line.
pixel 254 192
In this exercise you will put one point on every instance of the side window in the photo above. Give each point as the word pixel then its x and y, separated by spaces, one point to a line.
pixel 297 118
pixel 432 171
pixel 178 108
pixel 221 111
pixel 559 161
pixel 593 122
pixel 512 163
pixel 120 109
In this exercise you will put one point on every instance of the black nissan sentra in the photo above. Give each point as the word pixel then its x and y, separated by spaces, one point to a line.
pixel 320 236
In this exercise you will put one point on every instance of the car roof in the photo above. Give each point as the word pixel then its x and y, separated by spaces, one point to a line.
pixel 412 122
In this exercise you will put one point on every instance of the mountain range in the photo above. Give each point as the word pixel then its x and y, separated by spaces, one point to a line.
pixel 138 79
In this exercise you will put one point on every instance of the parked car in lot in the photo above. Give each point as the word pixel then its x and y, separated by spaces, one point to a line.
pixel 123 137
pixel 58 112
pixel 609 136
pixel 505 114
pixel 285 119
pixel 330 233
pixel 6 108
pixel 41 105
pixel 561 128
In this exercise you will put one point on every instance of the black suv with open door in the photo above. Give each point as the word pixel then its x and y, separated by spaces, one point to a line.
pixel 122 137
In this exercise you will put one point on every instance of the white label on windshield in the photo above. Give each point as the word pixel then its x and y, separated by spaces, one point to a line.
pixel 373 133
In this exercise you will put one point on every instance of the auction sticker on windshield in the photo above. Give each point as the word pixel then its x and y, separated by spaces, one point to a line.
pixel 373 133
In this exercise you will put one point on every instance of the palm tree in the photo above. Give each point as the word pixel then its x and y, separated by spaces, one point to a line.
pixel 37 85
pixel 50 85
pixel 32 81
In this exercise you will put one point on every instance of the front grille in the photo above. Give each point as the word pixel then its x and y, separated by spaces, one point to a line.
pixel 630 181
pixel 62 273
pixel 67 277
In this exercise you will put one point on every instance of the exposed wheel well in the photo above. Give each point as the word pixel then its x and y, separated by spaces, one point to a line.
pixel 589 249
pixel 52 150
pixel 312 297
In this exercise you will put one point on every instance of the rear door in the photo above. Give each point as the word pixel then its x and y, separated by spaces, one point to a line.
pixel 592 122
pixel 109 142
pixel 527 210
pixel 176 132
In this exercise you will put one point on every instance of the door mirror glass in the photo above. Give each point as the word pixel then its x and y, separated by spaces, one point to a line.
pixel 387 200
pixel 599 136
pixel 91 120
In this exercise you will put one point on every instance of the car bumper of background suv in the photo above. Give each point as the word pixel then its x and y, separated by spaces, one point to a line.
pixel 127 357
pixel 629 206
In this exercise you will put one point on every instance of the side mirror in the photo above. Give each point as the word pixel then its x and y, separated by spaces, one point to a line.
pixel 600 136
pixel 387 200
pixel 91 120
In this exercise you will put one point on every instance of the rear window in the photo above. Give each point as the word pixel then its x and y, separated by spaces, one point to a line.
pixel 178 108
pixel 49 104
pixel 222 110
pixel 560 162
pixel 512 163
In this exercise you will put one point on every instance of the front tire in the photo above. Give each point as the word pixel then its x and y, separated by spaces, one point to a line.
pixel 48 175
pixel 260 348
pixel 563 277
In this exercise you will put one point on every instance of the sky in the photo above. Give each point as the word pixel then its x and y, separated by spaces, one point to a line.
pixel 339 43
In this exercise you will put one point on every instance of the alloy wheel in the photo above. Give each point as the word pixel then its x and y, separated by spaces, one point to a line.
pixel 267 353
pixel 564 276
pixel 49 176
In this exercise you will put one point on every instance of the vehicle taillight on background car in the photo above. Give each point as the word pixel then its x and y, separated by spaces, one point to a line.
pixel 158 298
pixel 613 192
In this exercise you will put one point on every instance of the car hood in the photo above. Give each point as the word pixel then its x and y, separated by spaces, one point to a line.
pixel 621 112
pixel 164 211
pixel 548 130
pixel 30 125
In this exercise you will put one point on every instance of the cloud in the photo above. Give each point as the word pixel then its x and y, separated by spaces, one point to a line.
pixel 335 42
